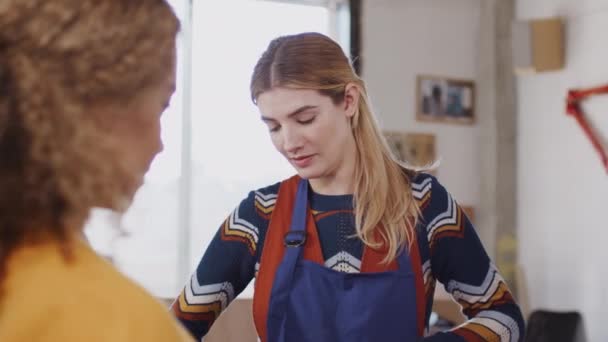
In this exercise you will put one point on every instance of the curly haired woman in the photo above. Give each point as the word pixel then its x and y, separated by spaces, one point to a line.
pixel 82 87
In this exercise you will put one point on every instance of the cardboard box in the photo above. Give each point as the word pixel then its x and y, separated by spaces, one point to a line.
pixel 538 45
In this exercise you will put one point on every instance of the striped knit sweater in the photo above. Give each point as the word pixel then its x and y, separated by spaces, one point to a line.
pixel 450 249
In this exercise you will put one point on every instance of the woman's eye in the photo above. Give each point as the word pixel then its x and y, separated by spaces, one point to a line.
pixel 274 128
pixel 306 122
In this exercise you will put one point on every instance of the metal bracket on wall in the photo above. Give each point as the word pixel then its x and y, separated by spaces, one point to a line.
pixel 573 108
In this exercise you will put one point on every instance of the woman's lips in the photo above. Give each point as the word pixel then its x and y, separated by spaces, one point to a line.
pixel 302 162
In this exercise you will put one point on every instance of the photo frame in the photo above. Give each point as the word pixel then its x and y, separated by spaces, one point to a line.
pixel 444 99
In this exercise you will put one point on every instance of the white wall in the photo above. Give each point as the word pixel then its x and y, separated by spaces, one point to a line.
pixel 404 38
pixel 563 188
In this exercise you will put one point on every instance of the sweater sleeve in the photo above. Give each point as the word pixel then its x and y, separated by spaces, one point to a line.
pixel 225 270
pixel 460 263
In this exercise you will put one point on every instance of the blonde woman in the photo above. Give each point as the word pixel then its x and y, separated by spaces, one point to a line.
pixel 350 248
pixel 82 87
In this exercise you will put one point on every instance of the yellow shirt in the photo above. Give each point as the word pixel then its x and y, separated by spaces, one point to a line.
pixel 84 299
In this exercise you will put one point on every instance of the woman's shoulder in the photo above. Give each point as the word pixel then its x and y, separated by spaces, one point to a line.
pixel 266 195
pixel 422 185
pixel 84 294
pixel 421 179
pixel 134 310
pixel 260 201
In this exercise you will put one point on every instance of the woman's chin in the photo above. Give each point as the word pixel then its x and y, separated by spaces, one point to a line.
pixel 306 172
pixel 119 203
pixel 122 201
pixel 309 174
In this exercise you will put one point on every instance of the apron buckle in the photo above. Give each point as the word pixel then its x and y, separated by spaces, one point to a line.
pixel 295 238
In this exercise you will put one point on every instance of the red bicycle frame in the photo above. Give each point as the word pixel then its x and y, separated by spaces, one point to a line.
pixel 573 108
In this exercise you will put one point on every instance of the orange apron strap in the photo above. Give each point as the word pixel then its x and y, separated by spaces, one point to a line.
pixel 272 253
pixel 372 259
pixel 274 250
pixel 372 262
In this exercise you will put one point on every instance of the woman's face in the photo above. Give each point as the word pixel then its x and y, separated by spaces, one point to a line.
pixel 135 134
pixel 308 129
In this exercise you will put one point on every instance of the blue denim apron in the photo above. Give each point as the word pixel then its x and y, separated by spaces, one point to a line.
pixel 312 303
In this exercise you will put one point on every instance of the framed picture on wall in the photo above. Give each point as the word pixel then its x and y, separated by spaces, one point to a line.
pixel 417 149
pixel 443 99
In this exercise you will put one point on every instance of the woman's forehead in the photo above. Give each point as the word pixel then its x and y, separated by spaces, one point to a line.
pixel 282 102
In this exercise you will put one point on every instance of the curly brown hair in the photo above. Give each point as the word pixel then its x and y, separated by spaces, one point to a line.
pixel 58 59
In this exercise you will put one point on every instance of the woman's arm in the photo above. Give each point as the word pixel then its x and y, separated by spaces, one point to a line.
pixel 460 262
pixel 224 271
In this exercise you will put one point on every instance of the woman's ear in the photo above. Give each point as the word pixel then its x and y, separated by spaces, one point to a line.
pixel 351 99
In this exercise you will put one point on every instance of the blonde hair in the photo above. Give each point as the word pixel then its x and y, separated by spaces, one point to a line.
pixel 385 210
pixel 58 60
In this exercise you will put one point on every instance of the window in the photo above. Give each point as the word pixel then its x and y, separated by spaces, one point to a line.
pixel 216 147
